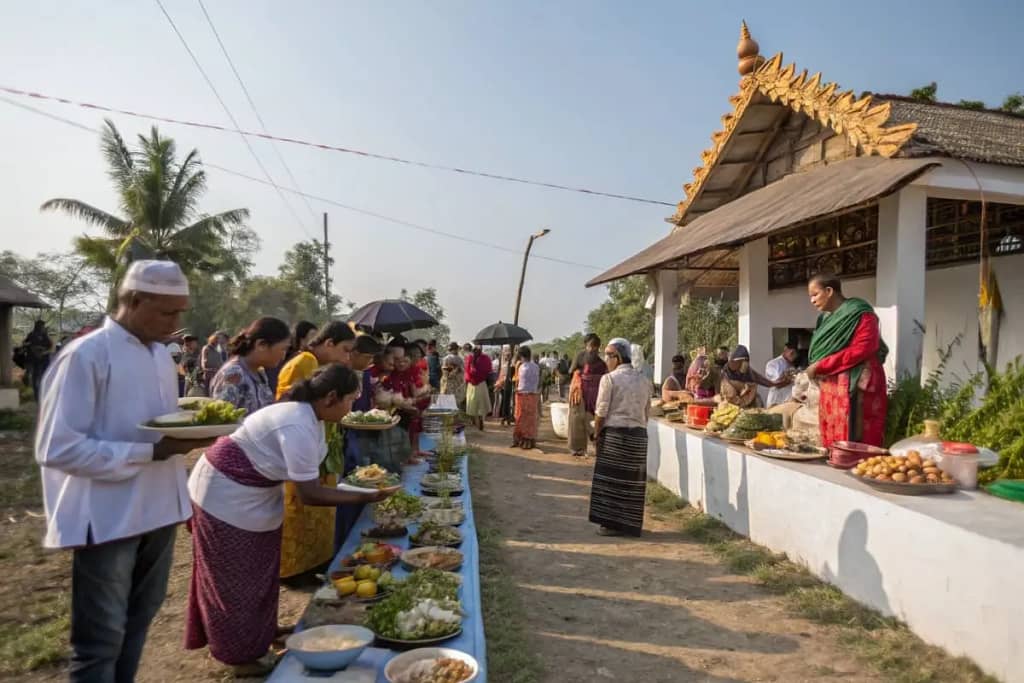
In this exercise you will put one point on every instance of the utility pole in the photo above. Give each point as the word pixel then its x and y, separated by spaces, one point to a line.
pixel 522 274
pixel 327 273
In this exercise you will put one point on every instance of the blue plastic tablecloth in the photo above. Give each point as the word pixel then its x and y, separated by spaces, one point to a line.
pixel 471 639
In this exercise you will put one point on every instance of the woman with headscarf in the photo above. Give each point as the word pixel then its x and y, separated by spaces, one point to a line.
pixel 620 424
pixel 586 372
pixel 846 355
pixel 702 377
pixel 241 381
pixel 453 379
pixel 740 381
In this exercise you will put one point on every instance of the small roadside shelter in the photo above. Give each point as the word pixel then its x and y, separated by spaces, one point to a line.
pixel 11 295
pixel 885 191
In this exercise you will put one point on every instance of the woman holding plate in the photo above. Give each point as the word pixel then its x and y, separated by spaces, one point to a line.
pixel 238 511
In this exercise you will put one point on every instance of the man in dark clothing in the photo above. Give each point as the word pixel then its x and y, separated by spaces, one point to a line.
pixel 433 365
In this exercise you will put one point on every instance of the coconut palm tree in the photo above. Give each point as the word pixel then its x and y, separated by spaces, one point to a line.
pixel 159 211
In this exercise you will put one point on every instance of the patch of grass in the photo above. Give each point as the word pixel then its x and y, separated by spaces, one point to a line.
pixel 509 654
pixel 13 421
pixel 881 642
pixel 39 639
pixel 662 500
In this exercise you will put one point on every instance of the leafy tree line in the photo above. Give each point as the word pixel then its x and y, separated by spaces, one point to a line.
pixel 1014 103
pixel 159 216
pixel 702 322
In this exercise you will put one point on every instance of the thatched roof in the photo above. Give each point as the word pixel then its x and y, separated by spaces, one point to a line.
pixel 797 198
pixel 984 135
pixel 13 295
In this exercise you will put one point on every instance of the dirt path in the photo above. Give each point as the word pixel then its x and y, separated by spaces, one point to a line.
pixel 656 609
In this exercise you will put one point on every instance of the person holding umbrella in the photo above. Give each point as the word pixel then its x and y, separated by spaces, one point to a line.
pixel 478 397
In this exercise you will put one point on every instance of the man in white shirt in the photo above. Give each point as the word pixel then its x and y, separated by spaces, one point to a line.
pixel 777 369
pixel 114 493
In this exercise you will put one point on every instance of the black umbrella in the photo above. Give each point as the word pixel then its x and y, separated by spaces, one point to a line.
pixel 502 333
pixel 391 316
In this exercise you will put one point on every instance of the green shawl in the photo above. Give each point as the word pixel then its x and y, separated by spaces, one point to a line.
pixel 834 331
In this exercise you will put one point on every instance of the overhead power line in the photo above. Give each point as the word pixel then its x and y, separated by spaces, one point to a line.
pixel 325 200
pixel 252 105
pixel 336 148
pixel 234 122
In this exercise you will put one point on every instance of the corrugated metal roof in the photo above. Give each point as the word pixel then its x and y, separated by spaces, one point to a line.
pixel 794 199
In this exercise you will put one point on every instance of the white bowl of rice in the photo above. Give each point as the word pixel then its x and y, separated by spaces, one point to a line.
pixel 329 648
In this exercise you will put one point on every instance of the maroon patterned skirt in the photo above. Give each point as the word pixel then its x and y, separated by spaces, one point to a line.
pixel 233 596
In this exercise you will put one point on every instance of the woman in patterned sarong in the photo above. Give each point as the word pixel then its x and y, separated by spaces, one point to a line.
pixel 620 422
pixel 586 372
pixel 237 503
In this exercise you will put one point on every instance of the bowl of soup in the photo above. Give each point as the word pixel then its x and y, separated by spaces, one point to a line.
pixel 329 648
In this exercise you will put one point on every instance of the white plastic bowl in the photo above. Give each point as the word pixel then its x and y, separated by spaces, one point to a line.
pixel 329 660
pixel 396 668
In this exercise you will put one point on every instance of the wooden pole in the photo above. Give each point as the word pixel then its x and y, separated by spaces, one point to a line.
pixel 327 274
pixel 6 347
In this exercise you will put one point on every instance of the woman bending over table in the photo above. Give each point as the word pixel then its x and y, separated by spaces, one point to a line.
pixel 846 357
pixel 237 503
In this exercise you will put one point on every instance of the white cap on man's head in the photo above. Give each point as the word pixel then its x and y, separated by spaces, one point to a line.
pixel 155 277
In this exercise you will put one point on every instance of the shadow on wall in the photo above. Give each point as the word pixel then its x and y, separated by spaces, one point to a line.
pixel 719 499
pixel 857 573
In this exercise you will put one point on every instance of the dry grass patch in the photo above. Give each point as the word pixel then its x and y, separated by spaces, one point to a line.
pixel 881 642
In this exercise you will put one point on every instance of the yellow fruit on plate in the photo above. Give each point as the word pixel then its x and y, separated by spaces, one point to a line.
pixel 346 586
pixel 366 589
pixel 364 571
pixel 374 573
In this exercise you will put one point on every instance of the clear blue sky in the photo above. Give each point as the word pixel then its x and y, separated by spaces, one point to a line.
pixel 609 95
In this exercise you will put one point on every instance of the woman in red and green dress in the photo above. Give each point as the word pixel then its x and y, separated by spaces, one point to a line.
pixel 846 357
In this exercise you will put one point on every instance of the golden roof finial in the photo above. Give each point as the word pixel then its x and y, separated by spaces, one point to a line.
pixel 747 51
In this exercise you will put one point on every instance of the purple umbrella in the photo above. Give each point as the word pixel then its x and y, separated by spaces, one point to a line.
pixel 391 316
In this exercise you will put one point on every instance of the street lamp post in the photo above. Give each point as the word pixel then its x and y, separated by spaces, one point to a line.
pixel 522 275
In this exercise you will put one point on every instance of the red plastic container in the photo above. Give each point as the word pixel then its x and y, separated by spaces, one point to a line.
pixel 697 416
pixel 846 454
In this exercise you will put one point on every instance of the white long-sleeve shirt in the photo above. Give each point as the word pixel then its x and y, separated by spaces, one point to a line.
pixel 100 482
pixel 775 370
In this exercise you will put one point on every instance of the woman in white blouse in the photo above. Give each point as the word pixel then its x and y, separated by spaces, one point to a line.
pixel 620 425
pixel 237 499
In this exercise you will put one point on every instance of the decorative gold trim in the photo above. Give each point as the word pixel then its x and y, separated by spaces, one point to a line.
pixel 862 122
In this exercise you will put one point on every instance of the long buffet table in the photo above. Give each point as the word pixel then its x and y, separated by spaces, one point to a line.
pixel 947 565
pixel 370 665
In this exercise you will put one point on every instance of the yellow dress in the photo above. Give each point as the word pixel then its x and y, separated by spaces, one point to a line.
pixel 307 535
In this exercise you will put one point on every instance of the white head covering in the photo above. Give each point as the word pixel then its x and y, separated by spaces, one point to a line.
pixel 155 277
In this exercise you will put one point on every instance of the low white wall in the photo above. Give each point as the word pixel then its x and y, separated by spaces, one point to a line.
pixel 948 566
pixel 951 309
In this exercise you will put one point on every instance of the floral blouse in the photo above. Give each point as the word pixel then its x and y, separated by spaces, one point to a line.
pixel 240 386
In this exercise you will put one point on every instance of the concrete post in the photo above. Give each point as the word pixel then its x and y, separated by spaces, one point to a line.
pixel 900 281
pixel 755 324
pixel 665 284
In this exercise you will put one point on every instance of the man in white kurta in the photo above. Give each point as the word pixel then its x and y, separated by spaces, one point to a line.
pixel 777 369
pixel 114 493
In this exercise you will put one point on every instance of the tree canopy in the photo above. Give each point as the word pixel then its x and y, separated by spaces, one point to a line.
pixel 158 213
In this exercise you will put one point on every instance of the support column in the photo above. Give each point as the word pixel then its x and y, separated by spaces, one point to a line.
pixel 755 324
pixel 6 345
pixel 900 280
pixel 665 285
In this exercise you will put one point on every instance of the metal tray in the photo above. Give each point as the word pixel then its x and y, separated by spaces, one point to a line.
pixel 904 489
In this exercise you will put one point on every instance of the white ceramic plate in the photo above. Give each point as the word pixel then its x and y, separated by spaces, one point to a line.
pixel 195 432
pixel 396 669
